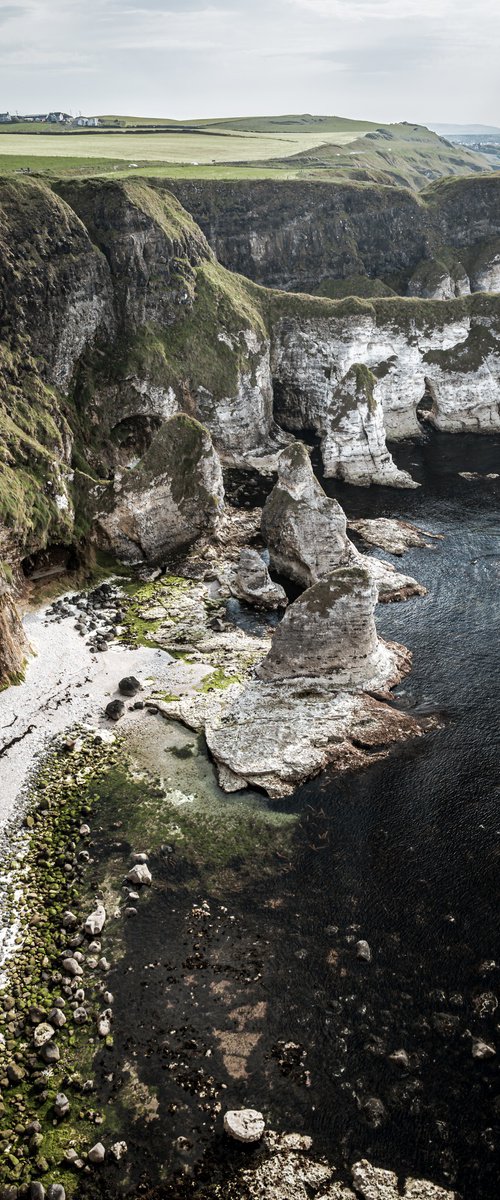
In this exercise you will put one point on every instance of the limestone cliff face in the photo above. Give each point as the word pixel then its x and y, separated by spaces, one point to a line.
pixel 302 235
pixel 115 317
pixel 356 375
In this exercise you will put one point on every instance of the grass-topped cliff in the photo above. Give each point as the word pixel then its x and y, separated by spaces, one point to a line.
pixel 115 314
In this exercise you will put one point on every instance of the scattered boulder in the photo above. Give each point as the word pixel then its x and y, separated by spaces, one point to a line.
pixel 95 922
pixel 97 1154
pixel 50 1053
pixel 363 951
pixel 115 709
pixel 174 494
pixel 244 1124
pixel 72 967
pixel 253 584
pixel 37 1191
pixel 129 686
pixel 56 1192
pixel 42 1034
pixel 61 1105
pixel 118 1150
pixel 140 875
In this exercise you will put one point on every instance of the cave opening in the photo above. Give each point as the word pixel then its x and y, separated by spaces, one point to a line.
pixel 54 560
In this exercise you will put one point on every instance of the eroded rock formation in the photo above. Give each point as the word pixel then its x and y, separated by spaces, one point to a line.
pixel 329 634
pixel 253 584
pixel 115 316
pixel 308 706
pixel 305 531
pixel 174 494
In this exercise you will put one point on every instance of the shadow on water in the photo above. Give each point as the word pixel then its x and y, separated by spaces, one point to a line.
pixel 260 998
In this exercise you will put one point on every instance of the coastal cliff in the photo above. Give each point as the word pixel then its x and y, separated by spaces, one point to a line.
pixel 349 238
pixel 115 316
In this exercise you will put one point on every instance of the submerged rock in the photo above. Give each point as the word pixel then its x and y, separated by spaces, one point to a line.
pixel 392 535
pixel 174 494
pixel 244 1124
pixel 253 584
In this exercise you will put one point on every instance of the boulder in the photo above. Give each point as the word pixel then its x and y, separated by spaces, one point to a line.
pixel 95 922
pixel 140 875
pixel 244 1124
pixel 253 584
pixel 97 1154
pixel 115 709
pixel 174 494
pixel 129 686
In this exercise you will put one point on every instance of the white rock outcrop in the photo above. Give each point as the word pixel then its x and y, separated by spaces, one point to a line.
pixel 308 706
pixel 253 584
pixel 306 531
pixel 329 633
pixel 357 378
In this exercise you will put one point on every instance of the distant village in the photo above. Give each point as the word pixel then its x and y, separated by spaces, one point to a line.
pixel 51 118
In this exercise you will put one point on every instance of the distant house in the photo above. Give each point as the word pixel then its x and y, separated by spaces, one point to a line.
pixel 88 122
pixel 5 118
pixel 58 118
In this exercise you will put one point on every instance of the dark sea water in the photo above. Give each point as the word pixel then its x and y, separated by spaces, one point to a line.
pixel 406 855
pixel 411 857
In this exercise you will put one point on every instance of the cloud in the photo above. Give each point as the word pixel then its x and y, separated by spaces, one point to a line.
pixel 204 57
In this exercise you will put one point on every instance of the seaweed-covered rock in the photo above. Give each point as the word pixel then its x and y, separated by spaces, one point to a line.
pixel 174 494
pixel 253 584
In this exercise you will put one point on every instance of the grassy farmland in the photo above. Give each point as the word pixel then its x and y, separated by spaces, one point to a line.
pixel 285 147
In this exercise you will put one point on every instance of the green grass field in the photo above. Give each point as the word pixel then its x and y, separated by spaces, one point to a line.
pixel 199 148
pixel 281 147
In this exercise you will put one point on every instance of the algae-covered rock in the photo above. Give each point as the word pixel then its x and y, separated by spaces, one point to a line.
pixel 173 495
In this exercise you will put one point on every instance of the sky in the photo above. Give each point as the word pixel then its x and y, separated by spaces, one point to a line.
pixel 384 60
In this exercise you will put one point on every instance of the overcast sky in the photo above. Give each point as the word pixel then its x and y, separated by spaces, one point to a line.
pixel 386 60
